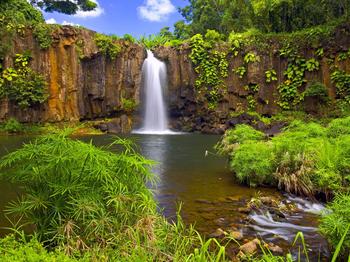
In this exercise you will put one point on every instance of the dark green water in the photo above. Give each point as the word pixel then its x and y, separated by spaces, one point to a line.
pixel 203 184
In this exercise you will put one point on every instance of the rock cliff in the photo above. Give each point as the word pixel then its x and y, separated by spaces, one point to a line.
pixel 84 84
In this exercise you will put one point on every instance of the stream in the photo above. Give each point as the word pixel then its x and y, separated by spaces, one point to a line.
pixel 190 173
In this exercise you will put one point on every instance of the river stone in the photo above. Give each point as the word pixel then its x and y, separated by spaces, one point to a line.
pixel 250 247
pixel 218 233
pixel 236 235
pixel 275 249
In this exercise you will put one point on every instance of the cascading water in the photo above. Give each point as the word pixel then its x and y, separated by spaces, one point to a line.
pixel 155 117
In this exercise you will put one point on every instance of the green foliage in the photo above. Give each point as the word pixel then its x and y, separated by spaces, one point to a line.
pixel 43 34
pixel 240 71
pixel 69 7
pixel 211 66
pixel 128 104
pixel 339 127
pixel 289 89
pixel 270 76
pixel 264 15
pixel 317 90
pixel 213 37
pixel 12 249
pixel 153 41
pixel 335 222
pixel 107 45
pixel 239 135
pixel 251 58
pixel 129 38
pixel 13 126
pixel 21 84
pixel 306 158
pixel 74 192
pixel 342 82
pixel 252 163
pixel 344 55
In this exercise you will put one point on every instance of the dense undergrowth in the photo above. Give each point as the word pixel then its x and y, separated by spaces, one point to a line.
pixel 83 203
pixel 307 159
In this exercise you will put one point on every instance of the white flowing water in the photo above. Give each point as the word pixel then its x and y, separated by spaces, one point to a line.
pixel 154 83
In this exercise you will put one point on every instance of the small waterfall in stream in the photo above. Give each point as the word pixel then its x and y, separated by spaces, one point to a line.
pixel 154 82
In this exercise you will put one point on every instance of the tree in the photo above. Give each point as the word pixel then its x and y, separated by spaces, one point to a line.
pixel 69 7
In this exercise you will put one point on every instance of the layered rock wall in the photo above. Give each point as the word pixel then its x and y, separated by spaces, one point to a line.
pixel 83 84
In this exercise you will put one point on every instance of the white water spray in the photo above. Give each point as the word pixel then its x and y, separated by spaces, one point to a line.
pixel 154 75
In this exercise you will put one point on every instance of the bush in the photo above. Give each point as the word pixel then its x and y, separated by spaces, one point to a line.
pixel 13 126
pixel 128 104
pixel 239 135
pixel 252 163
pixel 76 193
pixel 107 45
pixel 21 84
pixel 336 220
pixel 317 90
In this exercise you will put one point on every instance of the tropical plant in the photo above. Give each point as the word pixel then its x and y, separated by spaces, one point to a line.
pixel 335 222
pixel 78 195
pixel 13 126
pixel 108 45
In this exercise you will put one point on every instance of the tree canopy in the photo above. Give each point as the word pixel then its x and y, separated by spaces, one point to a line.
pixel 64 6
pixel 226 16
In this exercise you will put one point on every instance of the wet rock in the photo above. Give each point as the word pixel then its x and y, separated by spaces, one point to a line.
pixel 266 200
pixel 275 249
pixel 219 233
pixel 236 235
pixel 220 221
pixel 232 198
pixel 251 247
pixel 244 210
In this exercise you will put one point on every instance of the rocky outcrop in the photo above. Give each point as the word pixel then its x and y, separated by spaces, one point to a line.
pixel 84 84
pixel 189 110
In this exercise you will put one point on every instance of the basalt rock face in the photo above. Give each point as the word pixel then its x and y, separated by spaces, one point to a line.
pixel 189 109
pixel 82 83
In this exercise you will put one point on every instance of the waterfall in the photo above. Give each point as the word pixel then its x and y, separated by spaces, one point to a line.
pixel 154 82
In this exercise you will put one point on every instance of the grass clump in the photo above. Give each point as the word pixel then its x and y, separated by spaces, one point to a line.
pixel 336 221
pixel 233 137
pixel 305 159
pixel 252 163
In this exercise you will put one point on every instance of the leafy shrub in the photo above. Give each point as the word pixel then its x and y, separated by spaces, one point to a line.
pixel 13 126
pixel 336 220
pixel 152 41
pixel 271 75
pixel 252 163
pixel 213 37
pixel 239 135
pixel 317 90
pixel 21 84
pixel 107 45
pixel 129 38
pixel 300 130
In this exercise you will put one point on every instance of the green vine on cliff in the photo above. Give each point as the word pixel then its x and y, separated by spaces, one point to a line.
pixel 43 34
pixel 341 79
pixel 295 78
pixel 211 66
pixel 22 85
